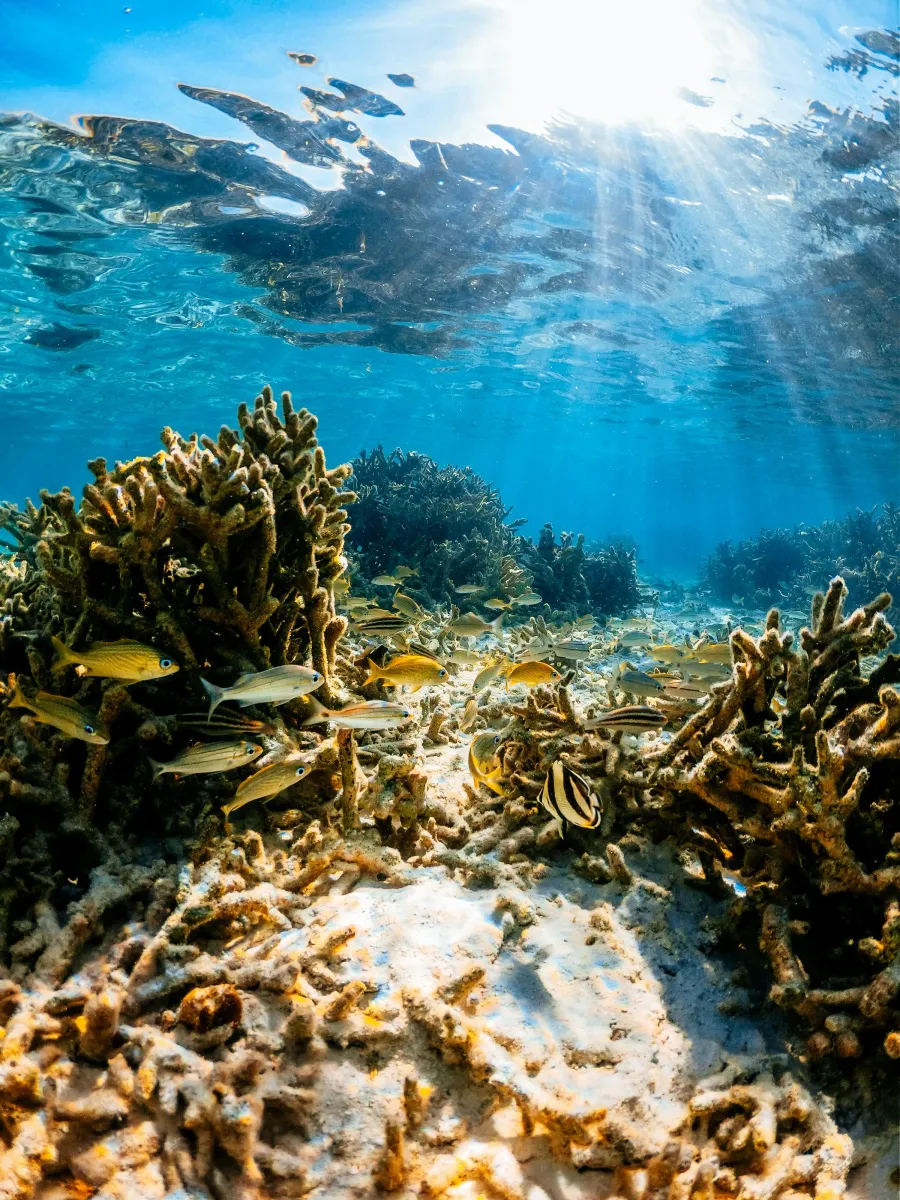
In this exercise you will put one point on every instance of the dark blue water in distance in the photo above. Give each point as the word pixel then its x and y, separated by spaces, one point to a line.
pixel 637 268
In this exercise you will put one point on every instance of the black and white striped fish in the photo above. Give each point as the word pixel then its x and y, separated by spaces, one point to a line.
pixel 630 718
pixel 567 796
pixel 381 624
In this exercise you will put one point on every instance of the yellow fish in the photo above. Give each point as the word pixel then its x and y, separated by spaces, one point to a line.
pixel 713 652
pixel 341 585
pixel 497 605
pixel 531 674
pixel 407 606
pixel 408 670
pixel 268 782
pixel 488 674
pixel 467 720
pixel 484 764
pixel 63 714
pixel 126 660
pixel 666 653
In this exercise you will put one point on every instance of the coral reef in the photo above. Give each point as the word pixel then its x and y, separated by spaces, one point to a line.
pixel 574 579
pixel 786 566
pixel 222 553
pixel 445 521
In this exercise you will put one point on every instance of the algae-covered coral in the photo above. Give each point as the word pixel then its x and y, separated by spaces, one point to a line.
pixel 219 553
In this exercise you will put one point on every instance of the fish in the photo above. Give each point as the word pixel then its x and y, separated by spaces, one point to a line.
pixel 709 670
pixel 687 689
pixel 531 674
pixel 341 585
pixel 471 625
pixel 470 713
pixel 638 683
pixel 465 658
pixel 408 670
pixel 385 581
pixel 496 604
pixel 205 760
pixel 381 624
pixel 268 782
pixel 484 764
pixel 63 714
pixel 528 599
pixel 370 714
pixel 357 602
pixel 275 686
pixel 488 674
pixel 403 571
pixel 631 718
pixel 666 652
pixel 567 796
pixel 633 638
pixel 375 613
pixel 423 651
pixel 407 606
pixel 224 722
pixel 713 652
pixel 467 589
pixel 125 660
pixel 572 648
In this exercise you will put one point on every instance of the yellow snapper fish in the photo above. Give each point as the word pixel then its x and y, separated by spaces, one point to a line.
pixel 408 606
pixel 567 796
pixel 638 682
pixel 467 589
pixel 375 612
pixel 205 760
pixel 357 603
pixel 371 714
pixel 687 689
pixel 497 604
pixel 276 686
pixel 633 638
pixel 404 572
pixel 666 652
pixel 713 652
pixel 484 765
pixel 470 713
pixel 471 625
pixel 712 671
pixel 386 581
pixel 489 673
pixel 341 585
pixel 125 660
pixel 408 670
pixel 268 782
pixel 528 599
pixel 63 714
pixel 531 674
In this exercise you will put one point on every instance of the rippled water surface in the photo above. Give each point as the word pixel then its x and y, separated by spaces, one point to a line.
pixel 640 273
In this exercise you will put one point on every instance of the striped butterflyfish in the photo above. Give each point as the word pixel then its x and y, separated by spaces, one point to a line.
pixel 567 796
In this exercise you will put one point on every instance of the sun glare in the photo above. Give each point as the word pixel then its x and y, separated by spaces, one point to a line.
pixel 659 62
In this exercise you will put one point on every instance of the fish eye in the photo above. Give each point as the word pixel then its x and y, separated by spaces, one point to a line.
pixel 165 663
pixel 442 673
pixel 301 770
pixel 89 729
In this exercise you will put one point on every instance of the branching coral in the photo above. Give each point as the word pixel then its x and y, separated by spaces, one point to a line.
pixel 574 579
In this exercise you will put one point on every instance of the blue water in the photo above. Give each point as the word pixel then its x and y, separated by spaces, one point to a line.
pixel 643 277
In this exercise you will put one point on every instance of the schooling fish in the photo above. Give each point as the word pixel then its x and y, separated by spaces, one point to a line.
pixel 484 765
pixel 125 660
pixel 385 581
pixel 418 648
pixel 631 718
pixel 407 606
pixel 528 599
pixel 713 652
pixel 341 585
pixel 370 625
pixel 687 689
pixel 666 652
pixel 633 638
pixel 205 760
pixel 572 648
pixel 711 671
pixel 638 683
pixel 63 714
pixel 408 670
pixel 268 782
pixel 275 686
pixel 403 571
pixel 224 722
pixel 470 714
pixel 465 658
pixel 567 796
pixel 488 674
pixel 467 589
pixel 373 714
pixel 471 625
pixel 497 604
pixel 531 674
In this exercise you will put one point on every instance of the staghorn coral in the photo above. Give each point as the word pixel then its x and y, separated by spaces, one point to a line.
pixel 575 579
pixel 802 804
pixel 223 553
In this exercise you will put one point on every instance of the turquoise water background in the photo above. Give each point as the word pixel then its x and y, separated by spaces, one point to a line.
pixel 671 315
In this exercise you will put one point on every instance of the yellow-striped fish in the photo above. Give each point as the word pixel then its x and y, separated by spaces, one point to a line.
pixel 488 674
pixel 408 606
pixel 470 713
pixel 484 763
pixel 713 652
pixel 408 670
pixel 666 653
pixel 567 796
pixel 208 759
pixel 63 714
pixel 125 660
pixel 372 714
pixel 276 686
pixel 268 782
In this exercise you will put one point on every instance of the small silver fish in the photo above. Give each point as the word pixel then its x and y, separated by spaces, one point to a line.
pixel 467 589
pixel 574 649
pixel 567 796
pixel 471 625
pixel 465 658
pixel 371 714
pixel 528 599
pixel 639 683
pixel 631 718
pixel 488 674
pixel 205 760
pixel 470 713
pixel 275 686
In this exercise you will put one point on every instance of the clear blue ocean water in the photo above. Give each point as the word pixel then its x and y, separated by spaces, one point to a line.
pixel 636 266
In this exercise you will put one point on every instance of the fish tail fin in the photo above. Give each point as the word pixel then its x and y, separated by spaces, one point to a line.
pixel 374 674
pixel 156 767
pixel 497 625
pixel 317 712
pixel 62 654
pixel 216 696
pixel 17 700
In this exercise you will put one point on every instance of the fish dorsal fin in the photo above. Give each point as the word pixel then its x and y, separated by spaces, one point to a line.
pixel 241 679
